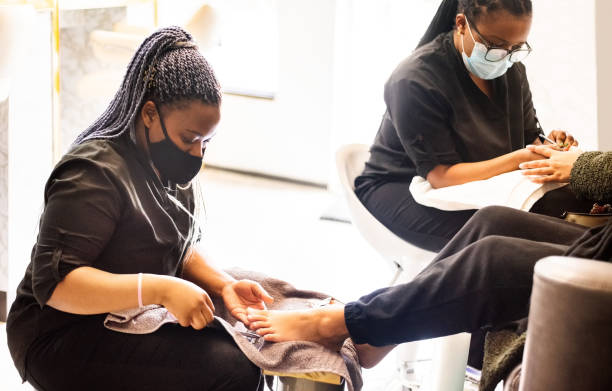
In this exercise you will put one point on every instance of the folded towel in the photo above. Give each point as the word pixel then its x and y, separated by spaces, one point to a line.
pixel 295 357
pixel 511 189
pixel 143 320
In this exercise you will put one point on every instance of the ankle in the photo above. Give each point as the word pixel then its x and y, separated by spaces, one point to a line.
pixel 330 322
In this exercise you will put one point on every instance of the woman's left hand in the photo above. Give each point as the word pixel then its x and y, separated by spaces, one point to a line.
pixel 556 168
pixel 242 294
pixel 563 139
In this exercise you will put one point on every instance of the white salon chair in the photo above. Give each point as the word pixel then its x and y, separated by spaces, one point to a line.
pixel 404 257
pixel 431 365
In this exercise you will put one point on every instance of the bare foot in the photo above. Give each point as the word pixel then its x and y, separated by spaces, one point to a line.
pixel 370 355
pixel 321 325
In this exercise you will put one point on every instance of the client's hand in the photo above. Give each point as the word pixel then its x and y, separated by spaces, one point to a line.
pixel 242 294
pixel 556 168
pixel 563 139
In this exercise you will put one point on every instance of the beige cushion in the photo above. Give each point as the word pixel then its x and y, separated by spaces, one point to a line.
pixel 569 337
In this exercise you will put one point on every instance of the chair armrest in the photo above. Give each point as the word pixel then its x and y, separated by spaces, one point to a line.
pixel 576 272
pixel 569 337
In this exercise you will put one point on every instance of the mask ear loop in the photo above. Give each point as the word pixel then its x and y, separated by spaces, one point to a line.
pixel 471 36
pixel 147 134
pixel 469 29
pixel 161 122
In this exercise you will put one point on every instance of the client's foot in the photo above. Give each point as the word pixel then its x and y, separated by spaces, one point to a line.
pixel 370 355
pixel 322 325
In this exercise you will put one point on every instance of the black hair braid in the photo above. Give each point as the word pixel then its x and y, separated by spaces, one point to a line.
pixel 444 20
pixel 473 9
pixel 168 68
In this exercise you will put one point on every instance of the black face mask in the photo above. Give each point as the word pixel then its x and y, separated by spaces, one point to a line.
pixel 173 163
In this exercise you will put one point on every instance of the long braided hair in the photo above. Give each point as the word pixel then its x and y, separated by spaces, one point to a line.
pixel 444 20
pixel 167 68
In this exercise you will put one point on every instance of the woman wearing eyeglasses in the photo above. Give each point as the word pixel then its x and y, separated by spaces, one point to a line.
pixel 459 109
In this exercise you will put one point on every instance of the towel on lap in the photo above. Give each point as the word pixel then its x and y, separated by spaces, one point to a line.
pixel 511 189
pixel 296 357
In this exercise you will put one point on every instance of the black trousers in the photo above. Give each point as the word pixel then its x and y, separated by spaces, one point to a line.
pixel 393 205
pixel 430 228
pixel 482 279
pixel 87 356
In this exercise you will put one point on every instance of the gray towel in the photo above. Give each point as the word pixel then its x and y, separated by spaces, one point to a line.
pixel 285 357
pixel 143 320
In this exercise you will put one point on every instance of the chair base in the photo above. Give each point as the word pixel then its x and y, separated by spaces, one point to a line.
pixel 294 384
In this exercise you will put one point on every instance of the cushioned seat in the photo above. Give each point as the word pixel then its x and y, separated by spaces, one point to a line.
pixel 569 337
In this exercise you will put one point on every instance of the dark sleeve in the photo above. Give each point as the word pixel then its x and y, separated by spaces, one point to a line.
pixel 82 207
pixel 591 176
pixel 420 116
pixel 530 119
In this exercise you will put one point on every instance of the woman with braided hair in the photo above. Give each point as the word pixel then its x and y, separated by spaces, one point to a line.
pixel 459 109
pixel 119 231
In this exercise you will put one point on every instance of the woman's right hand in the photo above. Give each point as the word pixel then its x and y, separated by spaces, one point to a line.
pixel 189 303
pixel 563 140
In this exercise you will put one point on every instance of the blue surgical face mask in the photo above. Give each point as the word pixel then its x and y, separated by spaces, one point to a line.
pixel 481 67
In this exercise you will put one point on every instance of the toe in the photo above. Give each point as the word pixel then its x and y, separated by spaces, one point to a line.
pixel 255 311
pixel 272 338
pixel 256 318
pixel 265 331
pixel 260 325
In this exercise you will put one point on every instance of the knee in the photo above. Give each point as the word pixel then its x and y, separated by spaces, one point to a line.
pixel 489 219
pixel 491 212
pixel 240 374
pixel 246 375
pixel 500 257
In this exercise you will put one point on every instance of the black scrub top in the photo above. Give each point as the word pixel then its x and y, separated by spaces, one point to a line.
pixel 437 115
pixel 105 208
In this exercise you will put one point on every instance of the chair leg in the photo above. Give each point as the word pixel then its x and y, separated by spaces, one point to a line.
pixel 437 364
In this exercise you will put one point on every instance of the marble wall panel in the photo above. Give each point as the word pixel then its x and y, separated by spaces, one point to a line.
pixel 87 83
pixel 4 195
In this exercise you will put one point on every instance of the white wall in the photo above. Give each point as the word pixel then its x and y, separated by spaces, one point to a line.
pixel 603 10
pixel 28 151
pixel 288 136
pixel 562 69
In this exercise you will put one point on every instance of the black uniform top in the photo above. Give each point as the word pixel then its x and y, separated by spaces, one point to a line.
pixel 437 115
pixel 106 208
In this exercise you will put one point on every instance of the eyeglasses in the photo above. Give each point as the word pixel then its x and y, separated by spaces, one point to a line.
pixel 496 53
